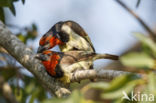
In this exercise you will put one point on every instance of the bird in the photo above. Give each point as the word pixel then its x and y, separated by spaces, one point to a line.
pixel 68 35
pixel 60 65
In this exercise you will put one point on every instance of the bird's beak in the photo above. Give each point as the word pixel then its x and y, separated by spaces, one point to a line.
pixel 52 42
pixel 41 57
pixel 41 49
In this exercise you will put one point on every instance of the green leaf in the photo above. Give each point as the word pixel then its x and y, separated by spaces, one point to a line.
pixel 18 94
pixel 23 1
pixel 30 88
pixel 128 87
pixel 2 17
pixel 12 9
pixel 21 37
pixel 140 60
pixel 4 3
pixel 8 73
pixel 9 4
pixel 99 85
pixel 34 95
pixel 138 2
pixel 120 81
pixel 34 27
pixel 152 83
pixel 147 41
pixel 75 97
pixel 115 84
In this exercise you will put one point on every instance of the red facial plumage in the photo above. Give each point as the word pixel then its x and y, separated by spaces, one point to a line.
pixel 52 40
pixel 51 62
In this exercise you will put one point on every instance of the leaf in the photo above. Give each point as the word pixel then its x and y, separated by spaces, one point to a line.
pixel 99 85
pixel 138 3
pixel 4 3
pixel 23 1
pixel 34 27
pixel 120 81
pixel 152 83
pixel 75 97
pixel 9 4
pixel 12 9
pixel 18 94
pixel 147 41
pixel 34 95
pixel 115 84
pixel 139 60
pixel 127 88
pixel 30 88
pixel 2 17
pixel 8 73
pixel 21 37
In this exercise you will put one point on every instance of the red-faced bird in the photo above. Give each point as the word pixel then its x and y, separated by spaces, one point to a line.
pixel 68 35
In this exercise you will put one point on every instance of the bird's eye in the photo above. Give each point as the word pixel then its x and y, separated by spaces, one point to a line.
pixel 46 42
pixel 64 37
pixel 58 36
pixel 48 54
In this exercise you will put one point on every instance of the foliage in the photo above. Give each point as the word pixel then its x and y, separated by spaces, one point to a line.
pixel 10 5
pixel 31 34
pixel 26 88
pixel 75 97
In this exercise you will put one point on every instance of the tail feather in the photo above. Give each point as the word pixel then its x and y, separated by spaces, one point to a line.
pixel 105 56
pixel 95 56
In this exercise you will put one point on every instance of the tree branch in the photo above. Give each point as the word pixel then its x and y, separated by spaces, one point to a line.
pixel 146 27
pixel 92 74
pixel 25 56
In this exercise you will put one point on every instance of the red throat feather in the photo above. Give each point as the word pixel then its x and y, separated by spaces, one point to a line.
pixel 50 64
pixel 55 41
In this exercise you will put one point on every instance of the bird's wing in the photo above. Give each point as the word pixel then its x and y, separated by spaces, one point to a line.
pixel 80 31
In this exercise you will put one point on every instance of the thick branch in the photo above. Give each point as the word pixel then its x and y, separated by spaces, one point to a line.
pixel 146 27
pixel 93 74
pixel 25 56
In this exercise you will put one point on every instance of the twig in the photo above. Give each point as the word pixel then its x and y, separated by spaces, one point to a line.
pixel 146 27
pixel 138 3
pixel 93 74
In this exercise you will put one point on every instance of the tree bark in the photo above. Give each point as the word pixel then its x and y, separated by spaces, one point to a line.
pixel 25 56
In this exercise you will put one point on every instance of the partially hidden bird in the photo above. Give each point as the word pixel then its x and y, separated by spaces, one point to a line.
pixel 61 64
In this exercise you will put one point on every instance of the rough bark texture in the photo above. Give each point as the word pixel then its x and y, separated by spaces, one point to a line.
pixel 101 74
pixel 25 56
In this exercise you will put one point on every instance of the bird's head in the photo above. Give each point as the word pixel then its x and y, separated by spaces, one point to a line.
pixel 55 36
pixel 50 60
